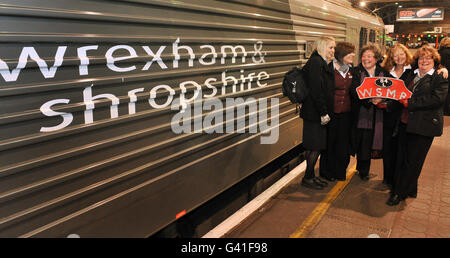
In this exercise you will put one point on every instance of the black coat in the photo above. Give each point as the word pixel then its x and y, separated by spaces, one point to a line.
pixel 393 111
pixel 425 106
pixel 319 77
pixel 445 57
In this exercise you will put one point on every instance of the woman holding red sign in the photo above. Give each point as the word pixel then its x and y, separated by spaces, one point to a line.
pixel 421 120
pixel 367 128
pixel 398 61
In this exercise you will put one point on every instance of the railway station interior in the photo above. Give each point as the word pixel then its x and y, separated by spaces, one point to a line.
pixel 168 120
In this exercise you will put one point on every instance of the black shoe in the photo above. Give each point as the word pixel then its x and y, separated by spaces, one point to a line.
pixel 394 200
pixel 311 183
pixel 388 185
pixel 321 181
pixel 412 195
pixel 328 178
pixel 364 177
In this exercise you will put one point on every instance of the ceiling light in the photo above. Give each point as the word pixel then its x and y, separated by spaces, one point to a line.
pixel 362 4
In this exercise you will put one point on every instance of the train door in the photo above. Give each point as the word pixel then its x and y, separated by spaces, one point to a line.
pixel 372 36
pixel 362 37
pixel 353 37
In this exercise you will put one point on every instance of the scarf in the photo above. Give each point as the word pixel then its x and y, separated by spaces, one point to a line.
pixel 343 67
pixel 366 121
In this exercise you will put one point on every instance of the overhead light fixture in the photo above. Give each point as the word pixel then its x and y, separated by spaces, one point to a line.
pixel 396 3
pixel 400 6
pixel 362 3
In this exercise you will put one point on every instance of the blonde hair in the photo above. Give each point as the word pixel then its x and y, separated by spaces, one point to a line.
pixel 321 44
pixel 389 63
pixel 445 42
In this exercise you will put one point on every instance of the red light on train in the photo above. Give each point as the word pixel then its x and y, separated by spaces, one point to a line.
pixel 181 214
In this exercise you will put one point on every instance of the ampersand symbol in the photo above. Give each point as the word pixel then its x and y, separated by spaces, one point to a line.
pixel 258 47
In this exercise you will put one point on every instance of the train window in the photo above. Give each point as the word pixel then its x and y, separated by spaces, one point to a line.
pixel 372 36
pixel 362 37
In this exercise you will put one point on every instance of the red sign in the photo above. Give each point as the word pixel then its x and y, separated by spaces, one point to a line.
pixel 383 87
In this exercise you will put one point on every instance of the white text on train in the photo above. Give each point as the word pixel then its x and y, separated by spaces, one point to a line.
pixel 118 53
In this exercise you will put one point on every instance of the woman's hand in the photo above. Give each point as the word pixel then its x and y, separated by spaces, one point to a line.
pixel 325 119
pixel 444 72
pixel 404 102
pixel 381 105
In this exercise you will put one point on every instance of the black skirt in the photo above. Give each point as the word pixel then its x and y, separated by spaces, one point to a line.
pixel 314 136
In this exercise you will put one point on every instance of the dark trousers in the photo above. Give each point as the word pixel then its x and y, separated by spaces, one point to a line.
pixel 363 151
pixel 447 104
pixel 363 166
pixel 336 157
pixel 412 151
pixel 390 144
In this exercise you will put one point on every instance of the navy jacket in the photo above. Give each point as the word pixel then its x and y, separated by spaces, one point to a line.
pixel 426 106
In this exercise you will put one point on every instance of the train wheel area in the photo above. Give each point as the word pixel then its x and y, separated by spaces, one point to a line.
pixel 357 208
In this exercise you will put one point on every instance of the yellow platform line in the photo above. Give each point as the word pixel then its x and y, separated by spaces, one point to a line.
pixel 317 214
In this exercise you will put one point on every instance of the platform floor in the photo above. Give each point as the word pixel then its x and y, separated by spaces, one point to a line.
pixel 357 209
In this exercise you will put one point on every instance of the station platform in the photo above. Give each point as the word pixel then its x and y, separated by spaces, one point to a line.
pixel 356 208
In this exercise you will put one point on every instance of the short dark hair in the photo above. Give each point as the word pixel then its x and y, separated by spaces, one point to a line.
pixel 342 49
pixel 372 47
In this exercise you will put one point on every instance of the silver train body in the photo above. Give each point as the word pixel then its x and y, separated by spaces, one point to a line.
pixel 91 137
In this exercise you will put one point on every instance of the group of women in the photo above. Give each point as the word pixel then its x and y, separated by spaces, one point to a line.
pixel 337 124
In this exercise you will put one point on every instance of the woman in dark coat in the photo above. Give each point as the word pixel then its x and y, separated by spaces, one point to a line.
pixel 421 121
pixel 444 51
pixel 367 128
pixel 398 62
pixel 315 110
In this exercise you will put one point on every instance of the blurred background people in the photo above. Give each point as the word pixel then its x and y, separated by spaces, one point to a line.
pixel 444 51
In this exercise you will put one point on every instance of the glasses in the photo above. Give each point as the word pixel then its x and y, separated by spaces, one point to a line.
pixel 427 58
